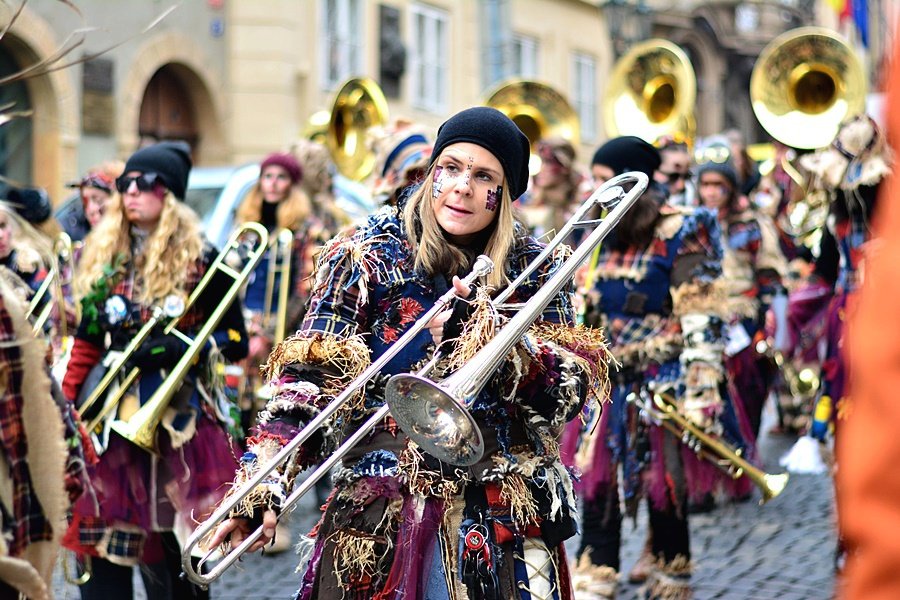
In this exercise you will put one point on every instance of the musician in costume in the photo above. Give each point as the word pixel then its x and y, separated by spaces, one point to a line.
pixel 753 268
pixel 23 250
pixel 402 153
pixel 148 252
pixel 40 448
pixel 654 287
pixel 556 189
pixel 849 172
pixel 400 523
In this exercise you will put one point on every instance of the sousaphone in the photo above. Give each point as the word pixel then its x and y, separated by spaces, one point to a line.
pixel 538 110
pixel 358 106
pixel 805 83
pixel 651 93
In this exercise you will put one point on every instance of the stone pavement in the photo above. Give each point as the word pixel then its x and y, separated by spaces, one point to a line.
pixel 742 551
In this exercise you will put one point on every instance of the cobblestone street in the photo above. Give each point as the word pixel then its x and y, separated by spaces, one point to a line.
pixel 742 551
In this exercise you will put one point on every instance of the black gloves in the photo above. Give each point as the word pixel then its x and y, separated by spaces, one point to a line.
pixel 159 353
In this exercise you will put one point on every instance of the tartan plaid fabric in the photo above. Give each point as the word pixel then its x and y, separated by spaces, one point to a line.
pixel 29 524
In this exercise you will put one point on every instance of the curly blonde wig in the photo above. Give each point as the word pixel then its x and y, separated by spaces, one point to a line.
pixel 169 251
pixel 435 254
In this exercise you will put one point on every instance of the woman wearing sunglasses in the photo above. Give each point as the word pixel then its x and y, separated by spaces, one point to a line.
pixel 148 252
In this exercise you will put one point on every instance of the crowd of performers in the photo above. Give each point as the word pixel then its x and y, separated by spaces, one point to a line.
pixel 707 298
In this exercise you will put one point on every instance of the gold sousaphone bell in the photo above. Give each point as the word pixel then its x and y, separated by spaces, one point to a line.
pixel 538 110
pixel 358 106
pixel 805 83
pixel 651 93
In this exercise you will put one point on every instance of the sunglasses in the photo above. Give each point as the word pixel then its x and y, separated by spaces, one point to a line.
pixel 146 182
pixel 673 177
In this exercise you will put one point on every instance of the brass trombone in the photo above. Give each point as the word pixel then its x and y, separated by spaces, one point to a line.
pixel 62 256
pixel 280 256
pixel 662 408
pixel 445 419
pixel 140 429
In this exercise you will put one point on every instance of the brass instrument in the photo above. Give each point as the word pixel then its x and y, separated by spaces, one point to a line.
pixel 802 384
pixel 663 408
pixel 280 257
pixel 538 110
pixel 63 256
pixel 72 578
pixel 806 82
pixel 443 404
pixel 358 106
pixel 141 427
pixel 651 93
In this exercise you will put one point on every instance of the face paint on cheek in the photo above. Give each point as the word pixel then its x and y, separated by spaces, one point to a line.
pixel 437 182
pixel 493 198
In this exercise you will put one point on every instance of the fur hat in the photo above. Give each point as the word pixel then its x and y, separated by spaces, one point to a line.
pixel 495 132
pixel 857 156
pixel 170 160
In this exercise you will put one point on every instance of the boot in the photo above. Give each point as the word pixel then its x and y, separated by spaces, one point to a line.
pixel 593 582
pixel 669 582
pixel 644 564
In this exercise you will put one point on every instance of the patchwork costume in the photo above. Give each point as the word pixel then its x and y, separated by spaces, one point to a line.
pixel 663 309
pixel 399 523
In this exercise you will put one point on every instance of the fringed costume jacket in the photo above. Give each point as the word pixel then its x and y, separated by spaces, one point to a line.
pixel 663 308
pixel 397 522
pixel 139 493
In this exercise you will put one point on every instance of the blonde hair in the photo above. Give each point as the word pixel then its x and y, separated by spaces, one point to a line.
pixel 168 253
pixel 33 248
pixel 433 252
pixel 291 213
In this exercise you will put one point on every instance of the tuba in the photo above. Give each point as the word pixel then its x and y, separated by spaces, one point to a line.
pixel 538 110
pixel 651 93
pixel 806 82
pixel 358 106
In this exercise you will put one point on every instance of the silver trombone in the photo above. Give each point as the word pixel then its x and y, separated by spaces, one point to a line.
pixel 443 428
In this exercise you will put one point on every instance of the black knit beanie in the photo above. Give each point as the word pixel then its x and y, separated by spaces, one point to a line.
pixel 495 132
pixel 33 204
pixel 722 168
pixel 170 160
pixel 628 153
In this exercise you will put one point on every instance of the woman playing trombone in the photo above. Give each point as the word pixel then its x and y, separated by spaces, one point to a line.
pixel 399 523
pixel 148 252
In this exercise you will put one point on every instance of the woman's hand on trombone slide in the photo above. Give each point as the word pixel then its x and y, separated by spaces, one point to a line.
pixel 236 529
pixel 436 326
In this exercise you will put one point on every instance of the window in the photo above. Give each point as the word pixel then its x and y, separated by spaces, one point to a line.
pixel 584 95
pixel 342 42
pixel 524 56
pixel 428 54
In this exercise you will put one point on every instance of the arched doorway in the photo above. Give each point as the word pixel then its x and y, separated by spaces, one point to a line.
pixel 167 111
pixel 16 136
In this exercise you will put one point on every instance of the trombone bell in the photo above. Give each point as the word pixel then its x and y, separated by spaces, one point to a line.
pixel 435 420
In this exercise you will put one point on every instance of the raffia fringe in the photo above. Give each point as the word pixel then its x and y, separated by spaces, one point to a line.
pixel 354 557
pixel 594 582
pixel 670 581
pixel 348 356
pixel 707 298
pixel 590 348
pixel 477 331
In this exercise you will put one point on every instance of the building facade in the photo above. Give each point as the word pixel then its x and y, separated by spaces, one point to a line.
pixel 240 78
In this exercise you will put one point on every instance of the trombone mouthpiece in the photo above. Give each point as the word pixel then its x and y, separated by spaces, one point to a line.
pixel 483 266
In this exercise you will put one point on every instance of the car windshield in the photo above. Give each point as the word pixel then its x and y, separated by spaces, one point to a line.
pixel 203 200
